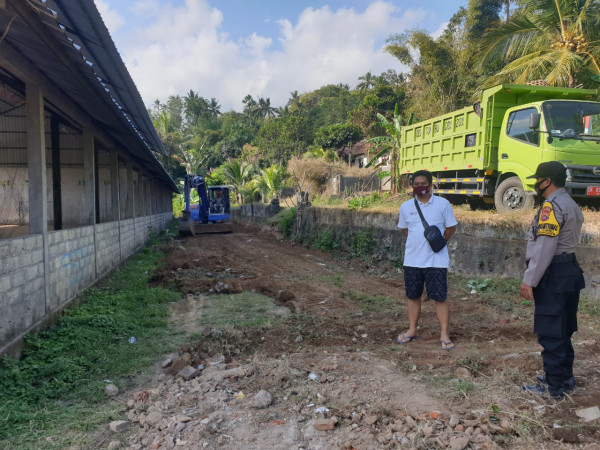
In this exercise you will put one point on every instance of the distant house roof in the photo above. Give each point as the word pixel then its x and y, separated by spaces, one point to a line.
pixel 361 148
pixel 69 44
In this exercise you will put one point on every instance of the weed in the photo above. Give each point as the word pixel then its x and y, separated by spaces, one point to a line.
pixel 527 303
pixel 287 219
pixel 377 303
pixel 326 240
pixel 473 360
pixel 336 280
pixel 59 380
pixel 464 387
pixel 363 244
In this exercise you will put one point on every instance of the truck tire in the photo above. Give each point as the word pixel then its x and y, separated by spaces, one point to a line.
pixel 510 196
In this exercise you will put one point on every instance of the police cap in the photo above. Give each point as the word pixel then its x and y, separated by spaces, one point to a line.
pixel 550 169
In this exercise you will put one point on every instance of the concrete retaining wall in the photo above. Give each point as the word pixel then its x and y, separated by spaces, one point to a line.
pixel 475 250
pixel 38 279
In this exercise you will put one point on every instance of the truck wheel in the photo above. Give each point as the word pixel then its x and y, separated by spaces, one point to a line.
pixel 510 196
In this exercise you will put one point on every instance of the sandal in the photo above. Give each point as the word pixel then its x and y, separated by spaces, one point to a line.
pixel 447 345
pixel 404 339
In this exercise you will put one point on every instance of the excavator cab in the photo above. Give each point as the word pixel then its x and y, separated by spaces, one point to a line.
pixel 213 208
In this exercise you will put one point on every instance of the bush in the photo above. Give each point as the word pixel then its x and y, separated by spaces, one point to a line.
pixel 358 203
pixel 286 222
pixel 326 240
pixel 363 244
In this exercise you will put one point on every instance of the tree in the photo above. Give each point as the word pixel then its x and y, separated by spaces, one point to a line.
pixel 366 82
pixel 271 181
pixel 214 109
pixel 554 40
pixel 196 108
pixel 280 138
pixel 238 173
pixel 338 135
pixel 264 110
pixel 389 146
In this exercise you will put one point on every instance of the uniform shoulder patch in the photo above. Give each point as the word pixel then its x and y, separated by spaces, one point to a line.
pixel 547 223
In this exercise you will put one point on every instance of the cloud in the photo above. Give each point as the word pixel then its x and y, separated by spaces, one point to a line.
pixel 185 47
pixel 112 19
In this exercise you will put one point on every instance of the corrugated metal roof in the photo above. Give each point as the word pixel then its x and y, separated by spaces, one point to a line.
pixel 69 43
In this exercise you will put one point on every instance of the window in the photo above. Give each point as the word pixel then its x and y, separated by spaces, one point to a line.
pixel 518 126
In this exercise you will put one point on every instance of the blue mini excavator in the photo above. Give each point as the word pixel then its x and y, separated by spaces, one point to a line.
pixel 212 212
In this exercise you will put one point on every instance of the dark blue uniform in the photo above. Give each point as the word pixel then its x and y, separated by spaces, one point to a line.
pixel 556 279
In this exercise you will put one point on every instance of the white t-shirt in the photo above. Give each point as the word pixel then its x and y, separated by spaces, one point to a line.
pixel 437 211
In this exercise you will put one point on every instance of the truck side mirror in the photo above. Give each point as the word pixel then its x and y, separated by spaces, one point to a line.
pixel 534 121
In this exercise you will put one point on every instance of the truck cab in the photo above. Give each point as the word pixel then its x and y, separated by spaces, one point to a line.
pixel 567 131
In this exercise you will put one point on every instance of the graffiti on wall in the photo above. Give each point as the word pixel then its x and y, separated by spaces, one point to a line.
pixel 73 263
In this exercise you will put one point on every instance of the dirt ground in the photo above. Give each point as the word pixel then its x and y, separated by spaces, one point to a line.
pixel 339 322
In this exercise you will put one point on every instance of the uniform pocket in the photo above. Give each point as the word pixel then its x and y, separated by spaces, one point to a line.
pixel 549 325
pixel 566 278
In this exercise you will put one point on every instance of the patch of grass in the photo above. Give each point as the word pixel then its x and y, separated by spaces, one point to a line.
pixel 375 303
pixel 589 306
pixel 464 387
pixel 336 280
pixel 244 310
pixel 502 293
pixel 56 390
pixel 473 360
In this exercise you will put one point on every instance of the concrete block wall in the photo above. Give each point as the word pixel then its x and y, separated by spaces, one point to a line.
pixel 34 287
pixel 141 230
pixel 127 233
pixel 475 250
pixel 71 263
pixel 108 247
pixel 21 285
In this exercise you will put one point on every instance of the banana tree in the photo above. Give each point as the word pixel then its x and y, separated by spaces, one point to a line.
pixel 388 146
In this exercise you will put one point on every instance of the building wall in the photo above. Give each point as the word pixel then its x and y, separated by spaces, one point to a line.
pixel 33 288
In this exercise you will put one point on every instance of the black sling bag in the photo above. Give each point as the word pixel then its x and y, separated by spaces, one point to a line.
pixel 432 233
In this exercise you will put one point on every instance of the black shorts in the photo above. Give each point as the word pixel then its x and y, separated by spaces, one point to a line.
pixel 435 279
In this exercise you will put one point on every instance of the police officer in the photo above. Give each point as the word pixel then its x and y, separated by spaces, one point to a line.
pixel 553 277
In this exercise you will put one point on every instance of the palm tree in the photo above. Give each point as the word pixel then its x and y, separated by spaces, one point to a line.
pixel 367 81
pixel 264 108
pixel 554 40
pixel 238 173
pixel 214 109
pixel 388 146
pixel 196 107
pixel 271 181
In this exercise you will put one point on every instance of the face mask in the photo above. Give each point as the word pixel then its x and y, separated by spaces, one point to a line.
pixel 537 188
pixel 421 191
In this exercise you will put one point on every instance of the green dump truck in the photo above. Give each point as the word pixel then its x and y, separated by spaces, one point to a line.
pixel 484 154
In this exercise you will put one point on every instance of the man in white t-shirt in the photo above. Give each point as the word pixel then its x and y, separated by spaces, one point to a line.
pixel 422 266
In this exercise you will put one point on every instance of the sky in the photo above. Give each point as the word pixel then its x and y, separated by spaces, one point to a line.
pixel 227 49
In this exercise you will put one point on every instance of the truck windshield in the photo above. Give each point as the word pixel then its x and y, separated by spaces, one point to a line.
pixel 572 119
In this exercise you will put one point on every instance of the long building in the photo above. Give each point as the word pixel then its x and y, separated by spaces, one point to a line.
pixel 80 181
